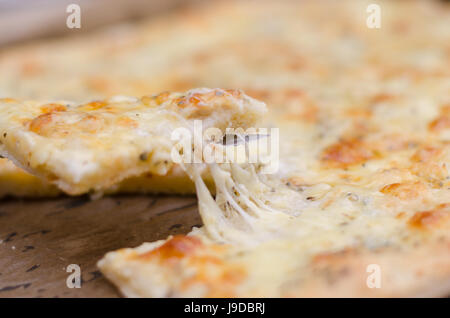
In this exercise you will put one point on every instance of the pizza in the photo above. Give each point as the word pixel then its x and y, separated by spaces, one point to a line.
pixel 318 232
pixel 90 147
pixel 364 164
pixel 360 204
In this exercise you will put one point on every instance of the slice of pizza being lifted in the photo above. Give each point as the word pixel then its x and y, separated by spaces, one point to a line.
pixel 92 147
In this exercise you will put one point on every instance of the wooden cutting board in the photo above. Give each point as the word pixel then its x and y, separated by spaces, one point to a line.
pixel 40 238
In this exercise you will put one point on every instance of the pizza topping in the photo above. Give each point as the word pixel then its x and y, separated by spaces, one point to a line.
pixel 48 108
pixel 345 153
pixel 95 105
pixel 61 124
pixel 177 247
pixel 426 154
pixel 8 100
pixel 405 190
pixel 431 219
pixel 440 123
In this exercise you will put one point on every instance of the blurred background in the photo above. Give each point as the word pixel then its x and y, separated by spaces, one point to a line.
pixel 282 51
pixel 22 20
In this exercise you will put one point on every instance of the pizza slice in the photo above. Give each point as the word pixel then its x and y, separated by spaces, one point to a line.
pixel 92 147
pixel 261 238
pixel 278 236
pixel 193 266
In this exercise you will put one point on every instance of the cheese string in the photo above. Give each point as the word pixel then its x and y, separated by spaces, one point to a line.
pixel 237 214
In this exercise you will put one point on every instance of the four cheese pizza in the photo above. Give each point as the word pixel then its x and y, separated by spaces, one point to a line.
pixel 363 184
